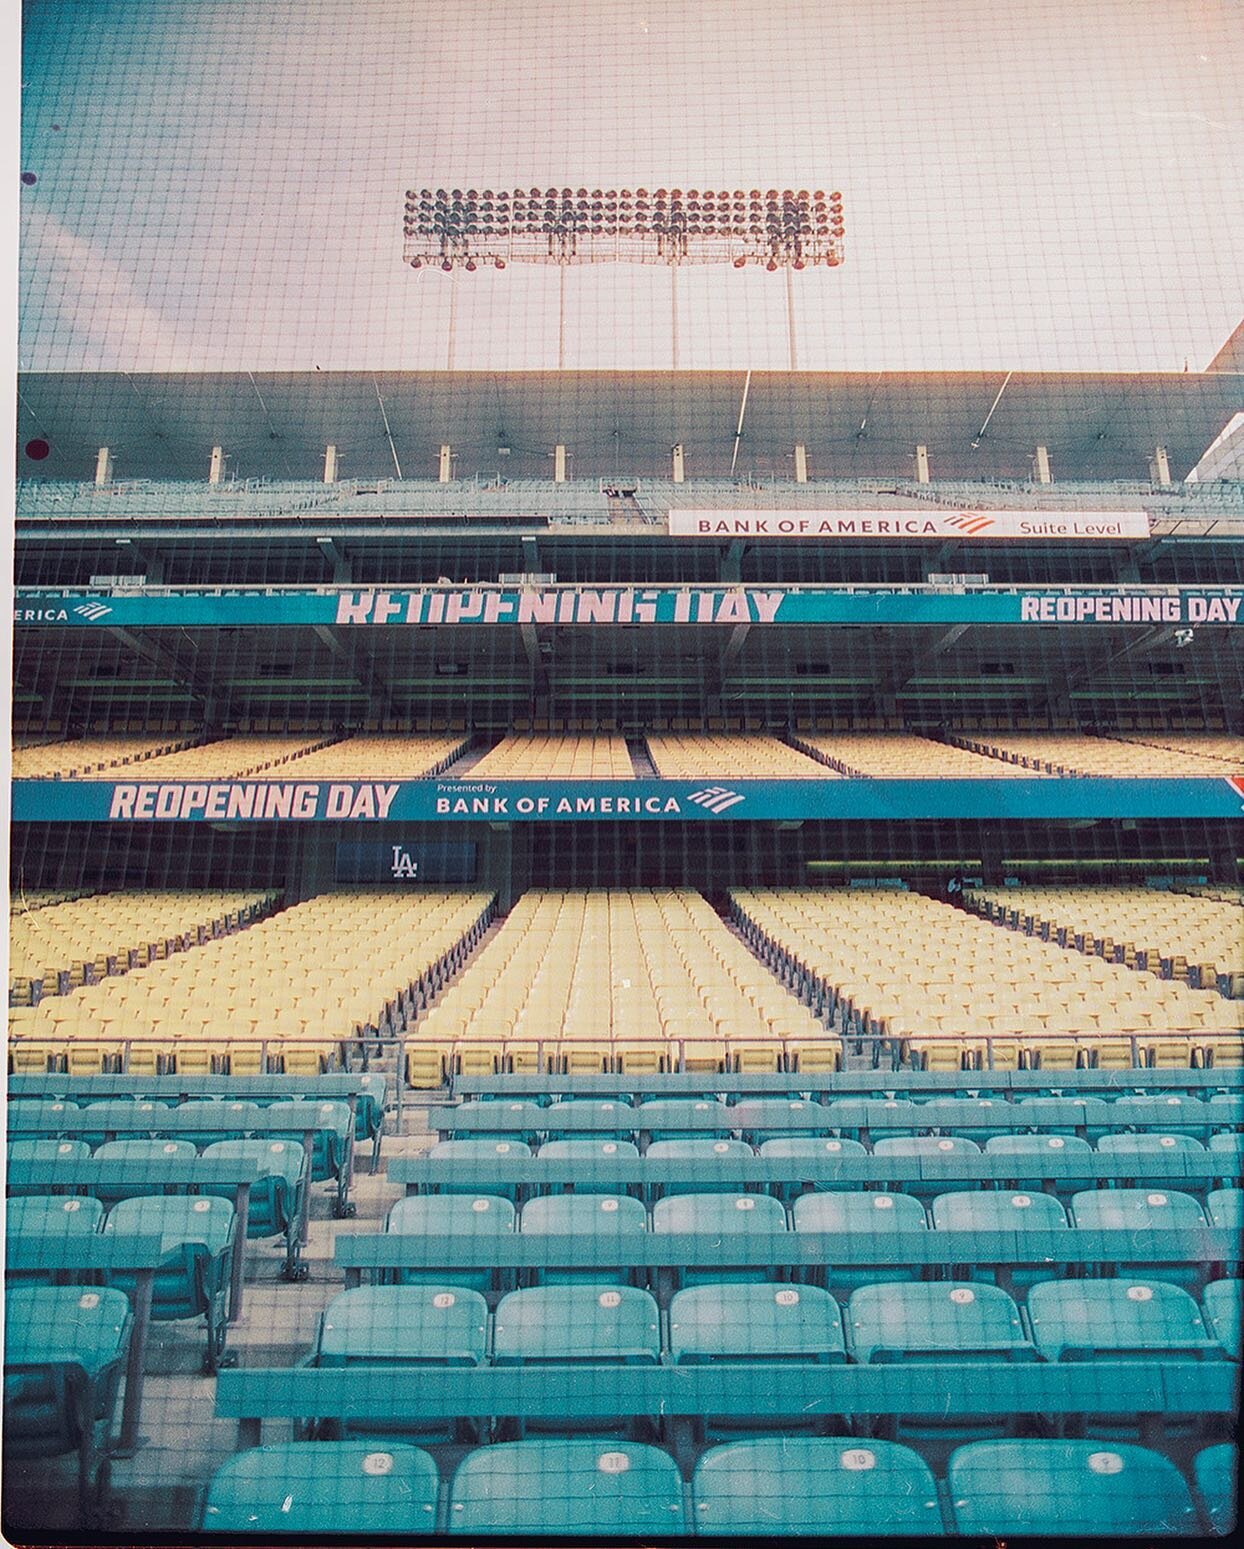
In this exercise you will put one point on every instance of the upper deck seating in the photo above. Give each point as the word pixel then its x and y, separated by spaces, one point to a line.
pixel 730 756
pixel 1080 753
pixel 902 756
pixel 567 757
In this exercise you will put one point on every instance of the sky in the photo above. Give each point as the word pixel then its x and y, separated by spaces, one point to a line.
pixel 1028 184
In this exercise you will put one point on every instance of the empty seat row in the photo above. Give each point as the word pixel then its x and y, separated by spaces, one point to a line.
pixel 769 1486
pixel 569 756
pixel 1080 753
pixel 731 756
pixel 901 756
pixel 88 757
pixel 441 1322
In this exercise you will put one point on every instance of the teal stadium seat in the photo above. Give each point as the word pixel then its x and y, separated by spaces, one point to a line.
pixel 50 1216
pixel 916 1321
pixel 1009 1488
pixel 274 1197
pixel 1140 1210
pixel 753 1118
pixel 1083 1319
pixel 1221 1300
pixel 1026 1148
pixel 766 1322
pixel 1174 1101
pixel 1230 1145
pixel 577 1323
pixel 707 1148
pixel 151 1154
pixel 49 1152
pixel 608 1109
pixel 1099 1117
pixel 1149 1144
pixel 719 1215
pixel 666 1118
pixel 198 1244
pixel 123 1110
pixel 876 1215
pixel 583 1487
pixel 532 1115
pixel 581 1150
pixel 48 1115
pixel 321 1487
pixel 451 1215
pixel 242 1118
pixel 401 1325
pixel 64 1351
pixel 1000 1210
pixel 329 1123
pixel 601 1217
pixel 924 1145
pixel 1216 1472
pixel 847 1114
pixel 1225 1208
pixel 787 1148
pixel 827 1486
pixel 482 1149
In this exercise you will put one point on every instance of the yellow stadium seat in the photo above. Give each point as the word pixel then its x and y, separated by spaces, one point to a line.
pixel 28 1058
pixel 1170 1053
pixel 425 1066
pixel 1224 1053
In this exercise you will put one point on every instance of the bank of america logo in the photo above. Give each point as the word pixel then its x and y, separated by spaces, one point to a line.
pixel 970 521
pixel 1236 782
pixel 716 798
pixel 92 611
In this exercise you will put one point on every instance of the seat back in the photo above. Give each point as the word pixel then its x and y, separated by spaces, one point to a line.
pixel 577 1323
pixel 579 1150
pixel 814 1485
pixel 1008 1488
pixel 1221 1300
pixel 1077 1318
pixel 901 1321
pixel 991 1210
pixel 585 1486
pixel 392 1323
pixel 318 1487
pixel 766 1321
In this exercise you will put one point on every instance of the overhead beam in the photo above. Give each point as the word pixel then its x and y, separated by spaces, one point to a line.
pixel 363 673
pixel 205 692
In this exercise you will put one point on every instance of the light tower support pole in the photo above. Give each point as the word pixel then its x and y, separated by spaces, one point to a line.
pixel 453 318
pixel 561 317
pixel 674 312
pixel 790 315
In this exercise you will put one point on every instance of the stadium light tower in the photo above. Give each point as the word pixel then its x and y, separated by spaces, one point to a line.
pixel 462 229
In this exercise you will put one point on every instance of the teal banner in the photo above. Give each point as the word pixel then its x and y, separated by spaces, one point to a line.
pixel 588 606
pixel 616 801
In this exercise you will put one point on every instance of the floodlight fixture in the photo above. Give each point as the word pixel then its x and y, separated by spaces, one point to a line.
pixel 779 229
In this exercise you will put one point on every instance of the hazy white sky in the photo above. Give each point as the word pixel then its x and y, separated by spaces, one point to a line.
pixel 1046 184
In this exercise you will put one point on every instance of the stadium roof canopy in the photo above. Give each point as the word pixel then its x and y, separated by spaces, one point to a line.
pixel 276 425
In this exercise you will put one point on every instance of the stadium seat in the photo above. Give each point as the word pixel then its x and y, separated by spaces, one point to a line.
pixel 1215 1471
pixel 829 1486
pixel 319 1488
pixel 150 1154
pixel 400 1325
pixel 719 1215
pixel 1077 1319
pixel 1221 1300
pixel 65 1349
pixel 600 1217
pixel 1225 1209
pixel 198 1245
pixel 607 1109
pixel 702 1148
pixel 579 1150
pixel 244 1115
pixel 586 1487
pixel 913 1322
pixel 766 1322
pixel 577 1323
pixel 665 1118
pixel 753 1117
pixel 924 1145
pixel 1148 1144
pixel 51 1216
pixel 1141 1210
pixel 274 1197
pixel 873 1214
pixel 451 1215
pixel 49 1152
pixel 1010 1488
pixel 848 1114
pixel 479 1149
pixel 330 1125
pixel 1000 1210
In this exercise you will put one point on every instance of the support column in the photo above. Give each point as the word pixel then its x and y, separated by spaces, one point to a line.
pixel 922 465
pixel 1041 466
pixel 445 465
pixel 330 465
pixel 1224 866
pixel 103 466
pixel 559 464
pixel 678 470
pixel 991 858
pixel 801 463
pixel 216 468
pixel 1160 468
